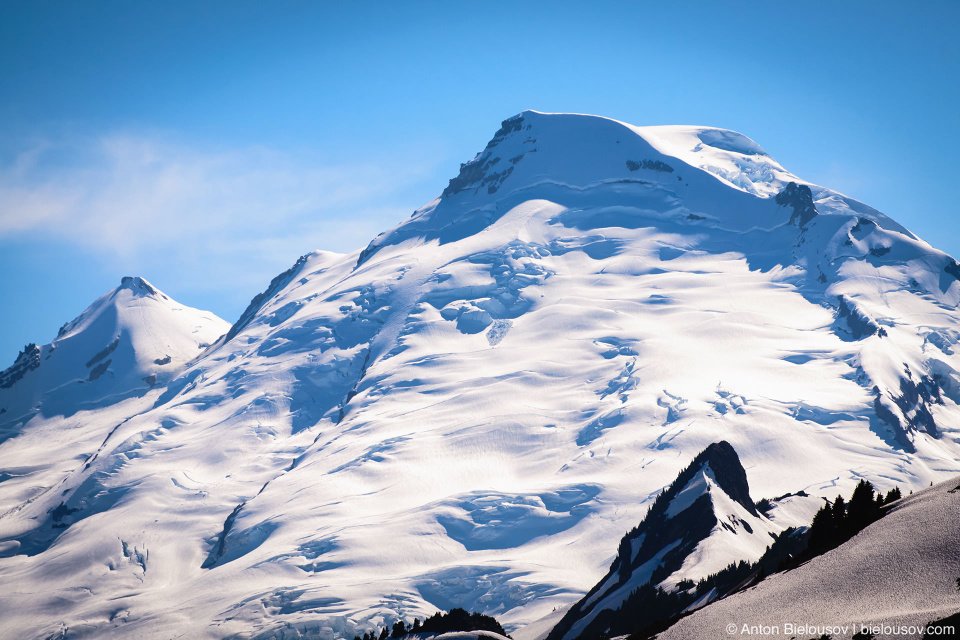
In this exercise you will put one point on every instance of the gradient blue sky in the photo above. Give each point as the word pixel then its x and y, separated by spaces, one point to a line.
pixel 205 146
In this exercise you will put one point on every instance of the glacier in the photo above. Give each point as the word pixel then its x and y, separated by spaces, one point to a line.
pixel 473 409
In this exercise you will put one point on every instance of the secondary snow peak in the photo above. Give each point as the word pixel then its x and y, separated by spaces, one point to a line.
pixel 130 340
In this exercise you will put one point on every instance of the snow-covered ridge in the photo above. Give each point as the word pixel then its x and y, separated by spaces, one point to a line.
pixel 701 522
pixel 573 153
pixel 472 410
pixel 899 572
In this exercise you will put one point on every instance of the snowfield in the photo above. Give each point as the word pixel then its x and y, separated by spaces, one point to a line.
pixel 472 410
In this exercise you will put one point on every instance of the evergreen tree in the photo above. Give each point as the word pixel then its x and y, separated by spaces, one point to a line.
pixel 460 620
pixel 399 629
pixel 839 511
pixel 416 625
pixel 624 554
pixel 862 509
pixel 384 634
pixel 822 529
pixel 893 494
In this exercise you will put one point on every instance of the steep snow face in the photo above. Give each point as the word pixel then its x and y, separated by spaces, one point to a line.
pixel 473 409
pixel 741 532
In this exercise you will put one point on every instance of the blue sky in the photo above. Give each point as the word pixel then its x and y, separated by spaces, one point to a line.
pixel 205 146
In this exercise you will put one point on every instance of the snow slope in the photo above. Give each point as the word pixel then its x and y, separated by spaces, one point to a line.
pixel 899 572
pixel 472 410
pixel 59 401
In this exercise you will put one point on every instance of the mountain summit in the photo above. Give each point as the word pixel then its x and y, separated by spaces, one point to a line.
pixel 571 157
pixel 131 339
pixel 472 410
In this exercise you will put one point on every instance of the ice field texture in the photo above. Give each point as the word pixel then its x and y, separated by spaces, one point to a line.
pixel 473 409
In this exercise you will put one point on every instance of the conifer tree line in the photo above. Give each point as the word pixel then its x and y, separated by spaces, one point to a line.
pixel 456 620
pixel 836 523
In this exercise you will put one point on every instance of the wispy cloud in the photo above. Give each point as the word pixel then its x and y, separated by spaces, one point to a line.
pixel 139 200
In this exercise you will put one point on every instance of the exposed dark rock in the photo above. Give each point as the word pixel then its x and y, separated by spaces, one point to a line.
pixel 651 165
pixel 135 555
pixel 353 391
pixel 135 283
pixel 915 398
pixel 800 198
pixel 764 505
pixel 478 170
pixel 953 268
pixel 99 370
pixel 103 353
pixel 922 420
pixel 62 511
pixel 507 127
pixel 470 174
pixel 494 180
pixel 368 251
pixel 91 497
pixel 859 326
pixel 478 173
pixel 27 360
pixel 861 224
pixel 161 361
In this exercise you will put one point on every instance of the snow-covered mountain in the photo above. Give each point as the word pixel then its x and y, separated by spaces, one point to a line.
pixel 132 338
pixel 472 410
pixel 704 519
pixel 111 362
